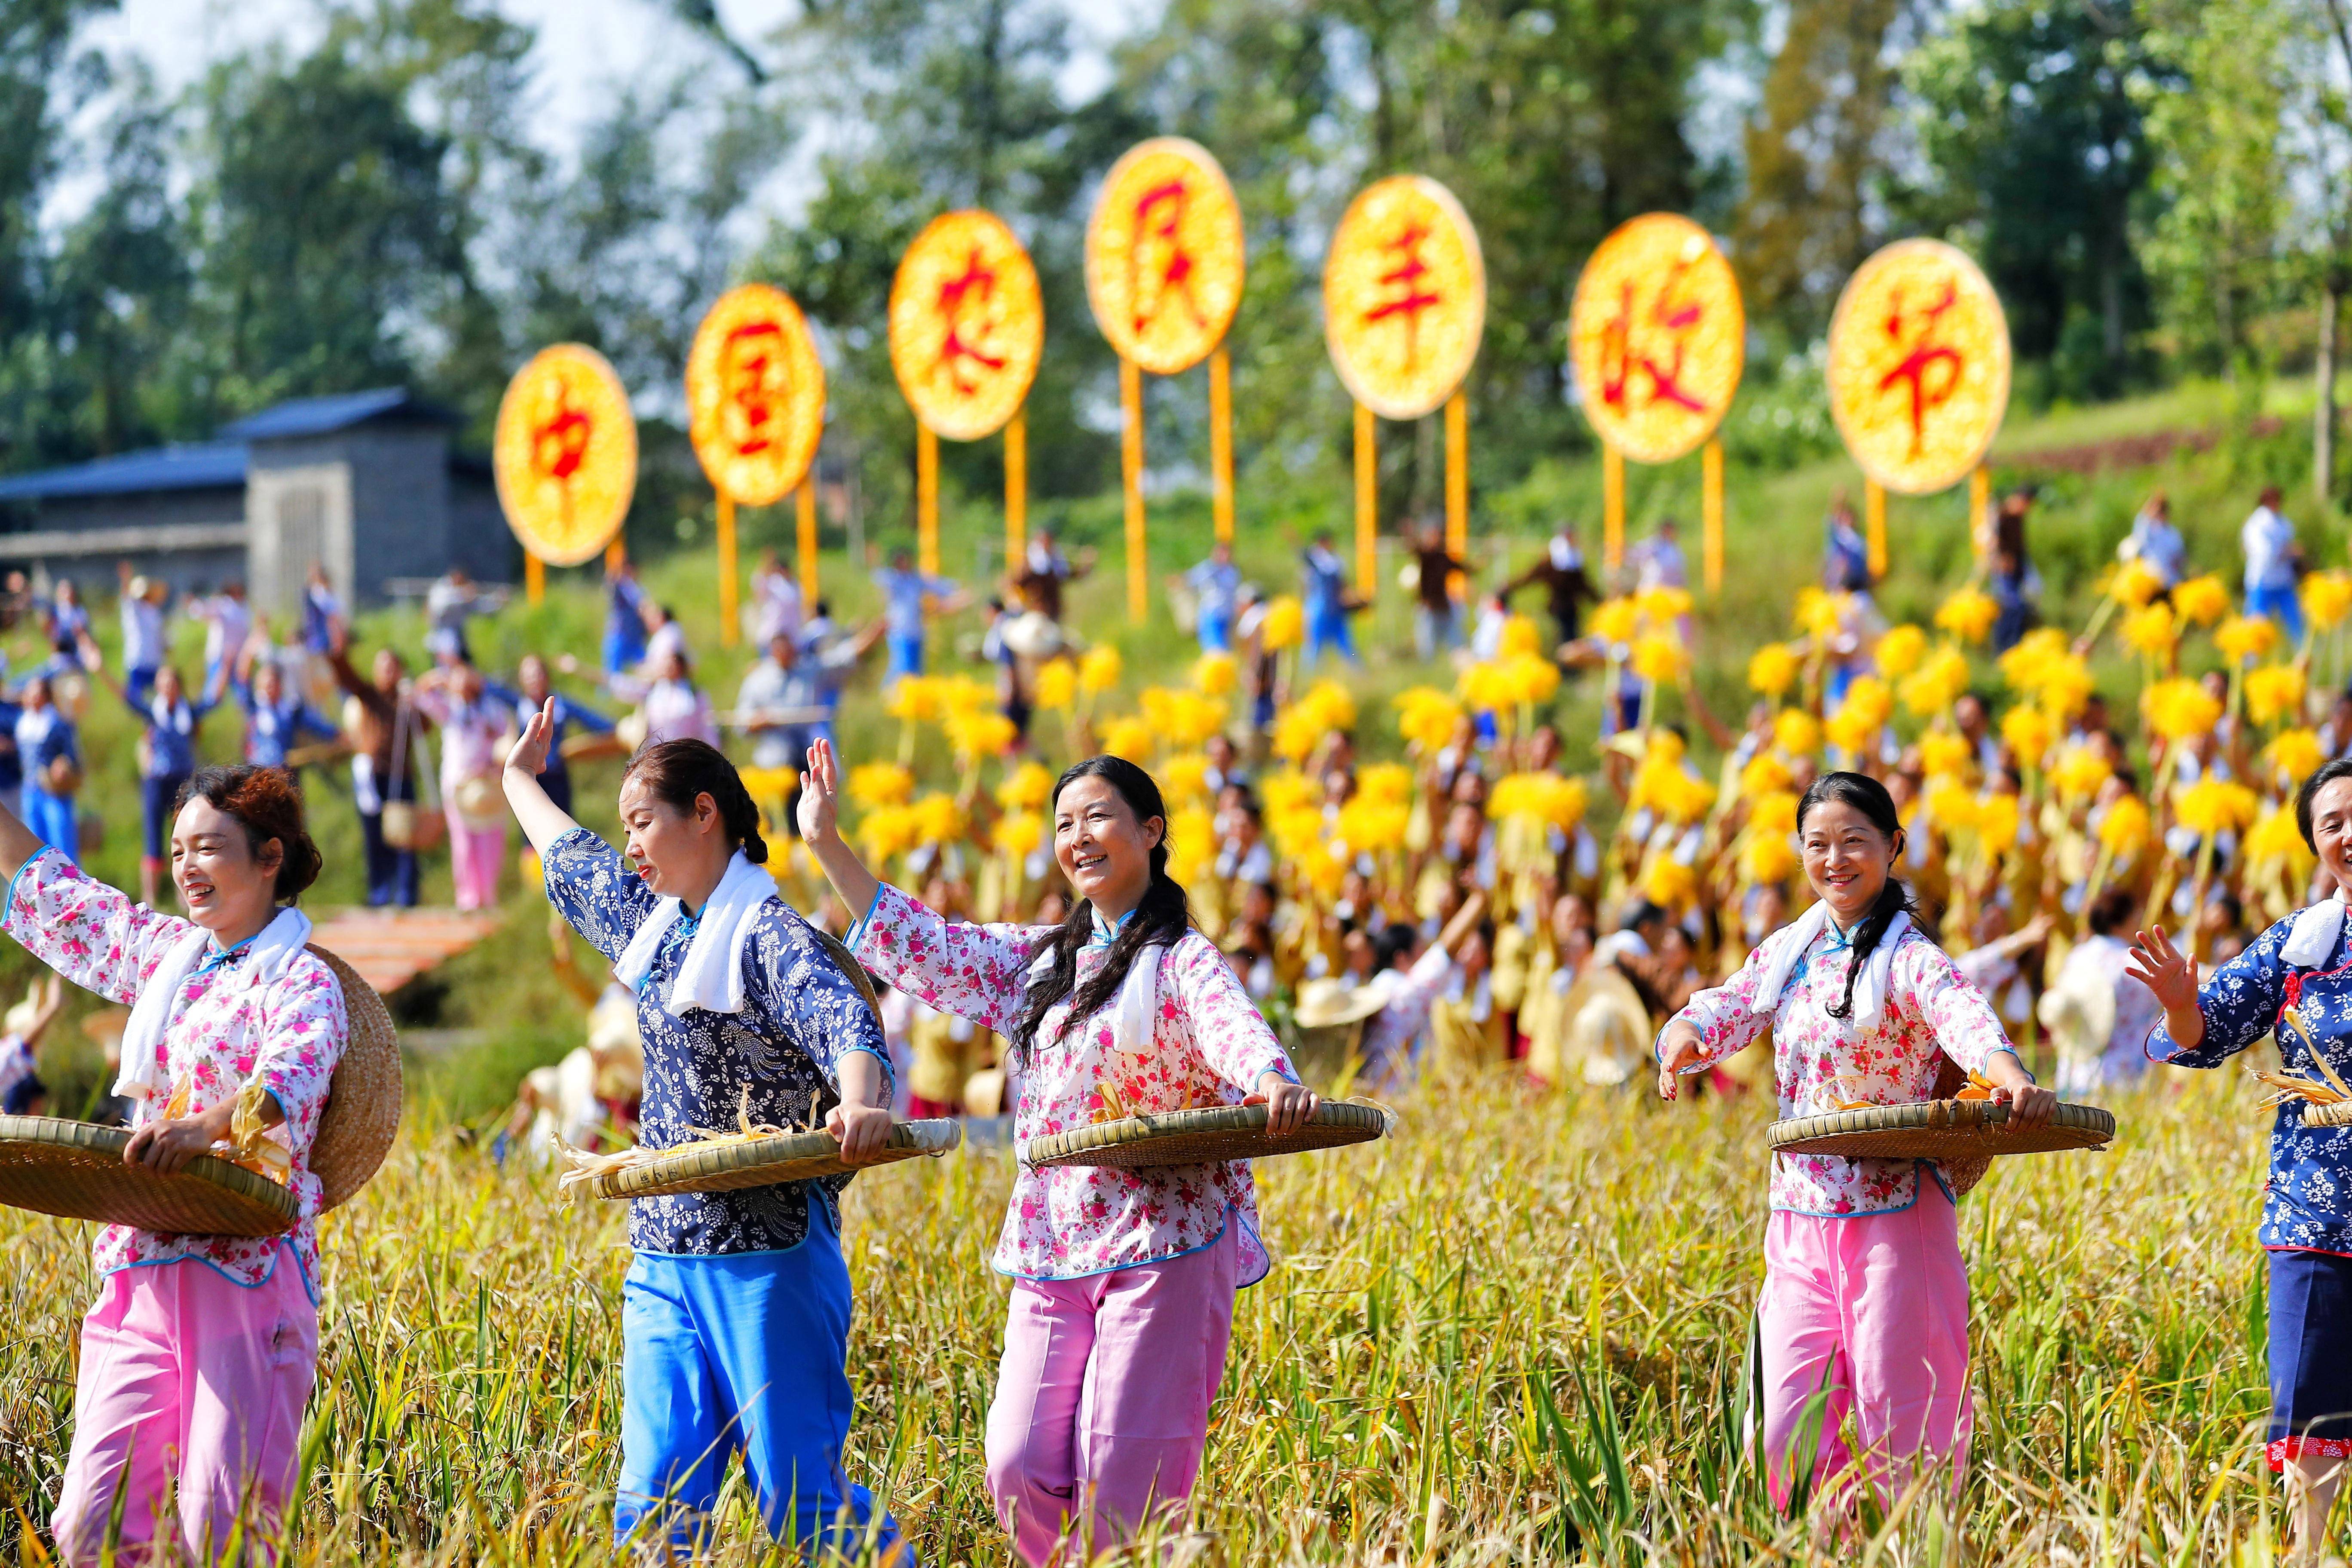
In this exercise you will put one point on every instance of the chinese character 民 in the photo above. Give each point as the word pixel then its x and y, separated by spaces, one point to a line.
pixel 1632 342
pixel 752 385
pixel 1916 332
pixel 1159 222
pixel 1407 274
pixel 962 357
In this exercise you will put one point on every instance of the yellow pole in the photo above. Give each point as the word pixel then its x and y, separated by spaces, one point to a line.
pixel 927 500
pixel 1220 444
pixel 1979 503
pixel 804 500
pixel 728 629
pixel 616 555
pixel 1130 470
pixel 1711 509
pixel 535 578
pixel 1612 509
pixel 1016 489
pixel 1458 485
pixel 1874 495
pixel 1368 503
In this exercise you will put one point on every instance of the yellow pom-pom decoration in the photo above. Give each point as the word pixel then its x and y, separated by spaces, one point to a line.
pixel 1767 859
pixel 2136 582
pixel 1772 668
pixel 1898 653
pixel 880 784
pixel 1284 624
pixel 1796 732
pixel 2275 840
pixel 1615 621
pixel 1099 670
pixel 1659 658
pixel 1057 685
pixel 1520 637
pixel 2124 827
pixel 2028 732
pixel 916 699
pixel 2180 709
pixel 1819 614
pixel 1765 773
pixel 1389 782
pixel 2241 637
pixel 2149 630
pixel 1968 615
pixel 1426 717
pixel 2212 806
pixel 2327 598
pixel 2298 753
pixel 2079 772
pixel 975 736
pixel 2200 601
pixel 1936 684
pixel 1662 607
pixel 1996 822
pixel 1183 778
pixel 1943 754
pixel 1025 788
pixel 1774 814
pixel 1020 832
pixel 1215 674
pixel 1670 885
pixel 1129 737
pixel 2274 692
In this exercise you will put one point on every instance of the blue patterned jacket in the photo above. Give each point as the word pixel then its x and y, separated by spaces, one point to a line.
pixel 800 1015
pixel 2307 1201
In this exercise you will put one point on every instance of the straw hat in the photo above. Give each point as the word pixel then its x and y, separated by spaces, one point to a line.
pixel 362 1108
pixel 481 805
pixel 1034 635
pixel 2079 1012
pixel 849 966
pixel 1329 1003
pixel 1608 1026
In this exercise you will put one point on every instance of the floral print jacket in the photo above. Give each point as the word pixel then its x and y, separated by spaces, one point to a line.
pixel 2308 1199
pixel 800 1015
pixel 1209 1046
pixel 223 1030
pixel 1823 1062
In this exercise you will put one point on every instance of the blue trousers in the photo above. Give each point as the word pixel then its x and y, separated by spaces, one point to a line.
pixel 906 655
pixel 51 818
pixel 1330 630
pixel 155 798
pixel 2283 606
pixel 743 1354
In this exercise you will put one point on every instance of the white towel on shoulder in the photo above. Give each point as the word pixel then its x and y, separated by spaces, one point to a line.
pixel 2311 940
pixel 712 976
pixel 1869 988
pixel 1135 1012
pixel 142 1039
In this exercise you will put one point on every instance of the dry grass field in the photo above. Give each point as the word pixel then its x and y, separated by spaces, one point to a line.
pixel 1515 1333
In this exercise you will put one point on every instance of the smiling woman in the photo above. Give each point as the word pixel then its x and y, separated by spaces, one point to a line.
pixel 201 1346
pixel 735 1311
pixel 1123 1280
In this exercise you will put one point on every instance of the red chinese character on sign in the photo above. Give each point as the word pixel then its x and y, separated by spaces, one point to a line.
pixel 1631 338
pixel 1406 274
pixel 973 291
pixel 559 441
pixel 1158 223
pixel 1917 368
pixel 753 383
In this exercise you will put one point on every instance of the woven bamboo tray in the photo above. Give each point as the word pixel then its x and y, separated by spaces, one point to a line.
pixel 1201 1137
pixel 1958 1130
pixel 73 1170
pixel 766 1161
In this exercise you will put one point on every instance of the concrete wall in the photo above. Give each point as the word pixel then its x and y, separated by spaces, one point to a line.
pixel 298 516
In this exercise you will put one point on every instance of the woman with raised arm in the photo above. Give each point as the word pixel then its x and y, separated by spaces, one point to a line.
pixel 2295 981
pixel 735 1314
pixel 1865 1311
pixel 198 1356
pixel 1123 1282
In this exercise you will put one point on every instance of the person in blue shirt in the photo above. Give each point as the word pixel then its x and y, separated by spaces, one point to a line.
pixel 529 693
pixel 275 717
pixel 625 619
pixel 1845 559
pixel 1327 602
pixel 906 595
pixel 322 613
pixel 2295 981
pixel 1217 584
pixel 50 753
pixel 167 758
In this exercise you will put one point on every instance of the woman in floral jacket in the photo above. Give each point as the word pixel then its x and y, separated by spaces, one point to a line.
pixel 1123 1280
pixel 198 1355
pixel 1865 1300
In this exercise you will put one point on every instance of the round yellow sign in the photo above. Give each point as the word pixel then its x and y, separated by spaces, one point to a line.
pixel 1919 368
pixel 1658 337
pixel 1404 296
pixel 967 325
pixel 565 455
pixel 1164 254
pixel 754 395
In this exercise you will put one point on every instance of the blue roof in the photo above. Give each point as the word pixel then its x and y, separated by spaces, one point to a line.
pixel 204 466
pixel 319 416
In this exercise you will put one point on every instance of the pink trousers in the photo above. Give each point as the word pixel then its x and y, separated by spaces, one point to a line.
pixel 475 856
pixel 1864 1316
pixel 188 1378
pixel 1102 1399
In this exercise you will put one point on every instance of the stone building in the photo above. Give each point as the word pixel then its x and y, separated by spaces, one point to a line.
pixel 371 484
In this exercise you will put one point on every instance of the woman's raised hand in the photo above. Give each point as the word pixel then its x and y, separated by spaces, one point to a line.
pixel 2164 969
pixel 528 755
pixel 820 805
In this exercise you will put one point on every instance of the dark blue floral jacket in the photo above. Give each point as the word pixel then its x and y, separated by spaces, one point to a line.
pixel 2307 1201
pixel 801 1015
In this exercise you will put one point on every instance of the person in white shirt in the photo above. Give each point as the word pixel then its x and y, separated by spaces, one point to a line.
pixel 1657 561
pixel 2155 544
pixel 2095 967
pixel 449 604
pixel 665 640
pixel 2273 565
pixel 228 622
pixel 775 601
pixel 142 631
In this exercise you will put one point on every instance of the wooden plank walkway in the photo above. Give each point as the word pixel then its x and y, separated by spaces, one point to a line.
pixel 391 947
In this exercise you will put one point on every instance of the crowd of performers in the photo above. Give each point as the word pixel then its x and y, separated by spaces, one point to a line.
pixel 1910 861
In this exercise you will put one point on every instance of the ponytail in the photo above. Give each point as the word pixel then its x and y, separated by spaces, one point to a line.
pixel 1160 919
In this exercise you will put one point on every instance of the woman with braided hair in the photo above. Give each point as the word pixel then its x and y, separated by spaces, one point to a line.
pixel 735 1312
pixel 1865 1300
pixel 1123 1281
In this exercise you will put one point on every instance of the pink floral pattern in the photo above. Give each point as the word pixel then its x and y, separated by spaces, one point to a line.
pixel 1822 1061
pixel 1210 1047
pixel 223 1031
